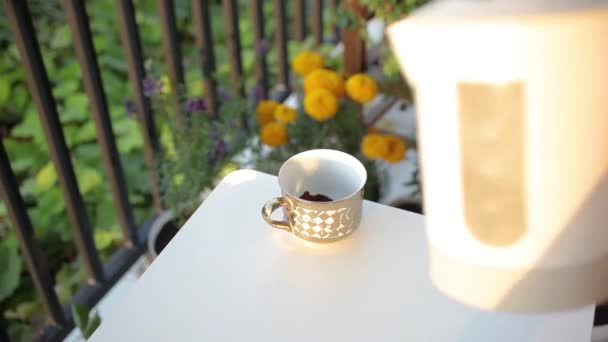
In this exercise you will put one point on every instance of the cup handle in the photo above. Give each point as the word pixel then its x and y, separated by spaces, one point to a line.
pixel 270 207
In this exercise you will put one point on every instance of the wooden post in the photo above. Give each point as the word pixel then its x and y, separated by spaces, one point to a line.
pixel 354 45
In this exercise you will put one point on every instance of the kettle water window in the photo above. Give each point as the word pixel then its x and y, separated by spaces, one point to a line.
pixel 491 121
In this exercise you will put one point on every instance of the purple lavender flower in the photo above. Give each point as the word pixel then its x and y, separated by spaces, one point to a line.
pixel 130 107
pixel 256 94
pixel 262 47
pixel 195 105
pixel 219 151
pixel 151 87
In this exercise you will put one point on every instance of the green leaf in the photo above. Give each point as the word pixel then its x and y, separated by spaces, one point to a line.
pixel 27 309
pixel 22 164
pixel 88 179
pixel 105 215
pixel 80 313
pixel 61 38
pixel 70 71
pixel 51 201
pixel 15 75
pixel 102 43
pixel 10 269
pixel 65 88
pixel 70 132
pixel 29 127
pixel 86 133
pixel 130 142
pixel 19 97
pixel 105 238
pixel 94 323
pixel 5 91
pixel 114 86
pixel 28 187
pixel 46 178
pixel 21 332
pixel 87 153
pixel 112 62
pixel 75 108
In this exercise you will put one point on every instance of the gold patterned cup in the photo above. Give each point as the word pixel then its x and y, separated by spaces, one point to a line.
pixel 334 174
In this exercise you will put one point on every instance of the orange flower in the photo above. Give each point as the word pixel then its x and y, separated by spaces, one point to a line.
pixel 265 111
pixel 386 147
pixel 325 79
pixel 374 146
pixel 273 134
pixel 361 88
pixel 305 62
pixel 285 114
pixel 320 104
pixel 396 149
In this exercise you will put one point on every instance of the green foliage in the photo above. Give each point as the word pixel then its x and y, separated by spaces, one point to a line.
pixel 391 10
pixel 10 264
pixel 347 19
pixel 85 321
pixel 24 139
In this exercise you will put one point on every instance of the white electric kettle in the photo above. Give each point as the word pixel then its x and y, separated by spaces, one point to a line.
pixel 512 101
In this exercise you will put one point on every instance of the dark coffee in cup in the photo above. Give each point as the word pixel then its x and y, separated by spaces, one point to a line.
pixel 315 198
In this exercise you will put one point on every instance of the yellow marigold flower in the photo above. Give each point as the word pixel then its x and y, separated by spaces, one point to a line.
pixel 305 62
pixel 320 104
pixel 383 146
pixel 326 79
pixel 273 134
pixel 265 111
pixel 396 149
pixel 374 146
pixel 285 114
pixel 361 88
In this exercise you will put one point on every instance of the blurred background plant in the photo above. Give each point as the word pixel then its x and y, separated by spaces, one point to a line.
pixel 326 113
pixel 197 147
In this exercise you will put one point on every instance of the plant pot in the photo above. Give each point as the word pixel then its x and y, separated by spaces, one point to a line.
pixel 162 230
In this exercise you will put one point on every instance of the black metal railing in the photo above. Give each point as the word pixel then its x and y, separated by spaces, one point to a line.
pixel 101 277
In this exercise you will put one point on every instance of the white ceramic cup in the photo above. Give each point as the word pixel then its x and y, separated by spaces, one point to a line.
pixel 334 174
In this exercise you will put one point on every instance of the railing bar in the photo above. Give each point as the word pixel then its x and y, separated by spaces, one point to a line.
pixel 171 45
pixel 83 44
pixel 204 42
pixel 40 89
pixel 317 21
pixel 233 42
pixel 30 250
pixel 281 42
pixel 131 45
pixel 261 68
pixel 299 20
pixel 3 330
